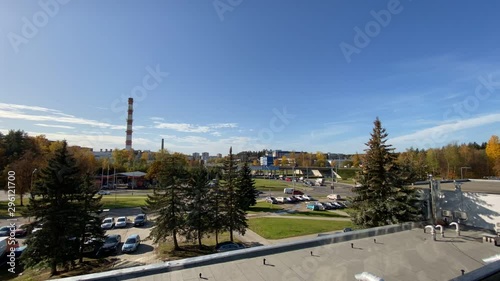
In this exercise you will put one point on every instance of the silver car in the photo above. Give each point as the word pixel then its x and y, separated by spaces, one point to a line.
pixel 121 222
pixel 108 223
pixel 132 243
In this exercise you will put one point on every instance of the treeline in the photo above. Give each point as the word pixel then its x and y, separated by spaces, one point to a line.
pixel 454 161
pixel 27 155
pixel 188 202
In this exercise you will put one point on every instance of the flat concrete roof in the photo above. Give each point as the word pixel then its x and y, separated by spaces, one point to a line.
pixel 406 255
pixel 472 185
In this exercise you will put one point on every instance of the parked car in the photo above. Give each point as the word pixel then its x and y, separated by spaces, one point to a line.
pixel 108 223
pixel 327 205
pixel 347 229
pixel 297 192
pixel 229 246
pixel 299 197
pixel 271 200
pixel 333 196
pixel 280 199
pixel 22 230
pixel 313 207
pixel 140 220
pixel 37 227
pixel 92 246
pixel 5 231
pixel 103 192
pixel 306 197
pixel 121 222
pixel 131 244
pixel 111 245
pixel 339 206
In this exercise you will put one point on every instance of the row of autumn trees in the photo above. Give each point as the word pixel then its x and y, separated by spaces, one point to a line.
pixel 26 155
pixel 454 161
pixel 194 202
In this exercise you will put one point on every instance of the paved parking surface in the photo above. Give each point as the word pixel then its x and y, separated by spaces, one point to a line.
pixel 145 253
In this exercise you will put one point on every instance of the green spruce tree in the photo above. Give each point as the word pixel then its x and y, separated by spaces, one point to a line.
pixel 235 217
pixel 197 192
pixel 247 192
pixel 167 200
pixel 54 202
pixel 385 195
pixel 89 221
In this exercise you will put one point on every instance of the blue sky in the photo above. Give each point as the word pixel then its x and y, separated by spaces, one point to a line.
pixel 291 75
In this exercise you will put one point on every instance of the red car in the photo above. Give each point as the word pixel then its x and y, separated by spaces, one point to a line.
pixel 297 192
pixel 21 230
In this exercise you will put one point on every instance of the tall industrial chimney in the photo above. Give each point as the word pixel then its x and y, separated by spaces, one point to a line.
pixel 162 144
pixel 128 142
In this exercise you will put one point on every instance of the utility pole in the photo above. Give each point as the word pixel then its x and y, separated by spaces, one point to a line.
pixel 462 171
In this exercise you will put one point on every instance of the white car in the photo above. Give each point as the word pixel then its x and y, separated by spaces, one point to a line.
pixel 103 192
pixel 121 222
pixel 280 199
pixel 306 197
pixel 108 223
pixel 333 196
pixel 37 228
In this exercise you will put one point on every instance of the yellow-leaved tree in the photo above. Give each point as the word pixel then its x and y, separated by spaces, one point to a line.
pixel 493 153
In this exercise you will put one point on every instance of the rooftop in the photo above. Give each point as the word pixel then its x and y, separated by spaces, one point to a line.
pixel 405 255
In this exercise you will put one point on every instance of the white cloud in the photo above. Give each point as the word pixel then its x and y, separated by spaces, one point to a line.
pixel 191 128
pixel 223 125
pixel 54 126
pixel 182 127
pixel 437 135
pixel 157 118
pixel 189 144
pixel 17 111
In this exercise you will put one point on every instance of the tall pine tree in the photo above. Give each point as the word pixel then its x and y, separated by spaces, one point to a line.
pixel 247 192
pixel 89 221
pixel 54 202
pixel 167 200
pixel 235 216
pixel 197 219
pixel 385 195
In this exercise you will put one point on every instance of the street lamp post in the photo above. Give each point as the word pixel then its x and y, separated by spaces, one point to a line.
pixel 431 199
pixel 31 186
pixel 32 173
pixel 462 171
pixel 458 188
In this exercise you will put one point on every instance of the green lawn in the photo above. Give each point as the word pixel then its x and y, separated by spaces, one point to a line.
pixel 112 202
pixel 109 202
pixel 276 228
pixel 271 185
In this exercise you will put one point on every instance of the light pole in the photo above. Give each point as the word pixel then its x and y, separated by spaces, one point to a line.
pixel 458 188
pixel 462 171
pixel 32 174
pixel 31 187
pixel 431 199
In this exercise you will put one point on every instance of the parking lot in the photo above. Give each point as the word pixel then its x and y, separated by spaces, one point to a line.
pixel 145 253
